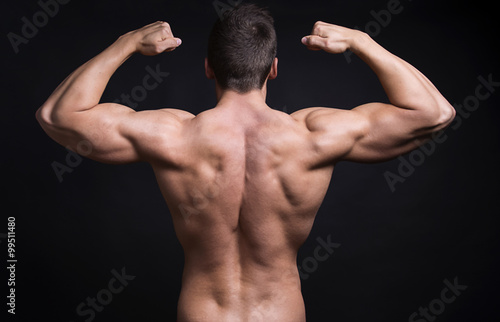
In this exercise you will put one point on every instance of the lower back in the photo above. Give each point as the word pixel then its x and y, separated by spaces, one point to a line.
pixel 245 294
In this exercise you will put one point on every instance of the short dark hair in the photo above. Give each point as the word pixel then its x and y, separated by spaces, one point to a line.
pixel 242 47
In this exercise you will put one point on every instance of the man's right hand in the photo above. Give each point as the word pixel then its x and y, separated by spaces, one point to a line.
pixel 331 38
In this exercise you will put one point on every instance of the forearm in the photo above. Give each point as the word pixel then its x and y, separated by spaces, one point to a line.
pixel 83 89
pixel 404 85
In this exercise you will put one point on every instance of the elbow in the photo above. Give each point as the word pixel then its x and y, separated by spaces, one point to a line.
pixel 439 116
pixel 41 116
pixel 446 115
pixel 38 115
pixel 44 115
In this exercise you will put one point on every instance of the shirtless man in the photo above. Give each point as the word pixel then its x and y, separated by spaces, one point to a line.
pixel 243 182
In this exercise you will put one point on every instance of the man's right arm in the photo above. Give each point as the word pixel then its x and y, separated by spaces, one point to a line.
pixel 376 131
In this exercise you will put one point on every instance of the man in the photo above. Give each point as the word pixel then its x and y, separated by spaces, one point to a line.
pixel 243 182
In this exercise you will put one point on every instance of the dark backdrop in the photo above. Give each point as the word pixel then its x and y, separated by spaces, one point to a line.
pixel 397 234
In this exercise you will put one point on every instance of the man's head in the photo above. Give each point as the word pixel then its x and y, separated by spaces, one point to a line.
pixel 242 49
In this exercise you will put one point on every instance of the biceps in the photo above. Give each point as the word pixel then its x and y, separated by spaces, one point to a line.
pixel 98 134
pixel 390 132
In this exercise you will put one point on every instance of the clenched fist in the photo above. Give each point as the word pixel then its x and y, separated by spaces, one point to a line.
pixel 331 38
pixel 155 39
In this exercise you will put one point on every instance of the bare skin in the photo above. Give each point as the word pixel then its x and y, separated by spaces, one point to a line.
pixel 243 182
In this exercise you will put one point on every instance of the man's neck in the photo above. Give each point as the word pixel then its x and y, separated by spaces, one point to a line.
pixel 254 98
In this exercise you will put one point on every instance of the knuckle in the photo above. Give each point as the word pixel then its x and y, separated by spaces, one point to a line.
pixel 319 29
pixel 319 24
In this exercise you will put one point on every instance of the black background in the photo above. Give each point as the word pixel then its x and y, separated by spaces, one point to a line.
pixel 396 248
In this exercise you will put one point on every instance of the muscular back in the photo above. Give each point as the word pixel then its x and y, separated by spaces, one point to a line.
pixel 243 182
pixel 243 191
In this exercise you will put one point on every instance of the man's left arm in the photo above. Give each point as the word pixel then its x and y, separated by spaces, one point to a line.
pixel 112 133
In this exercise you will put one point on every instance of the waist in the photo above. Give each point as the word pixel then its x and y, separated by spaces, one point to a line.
pixel 241 294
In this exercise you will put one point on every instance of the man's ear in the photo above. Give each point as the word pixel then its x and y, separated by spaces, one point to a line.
pixel 209 72
pixel 274 69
